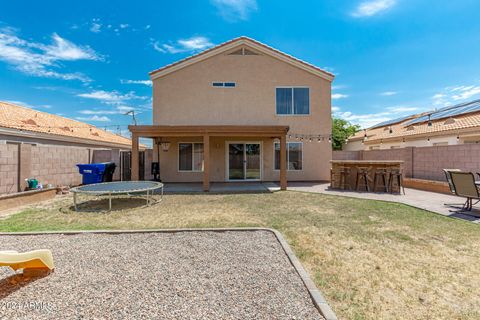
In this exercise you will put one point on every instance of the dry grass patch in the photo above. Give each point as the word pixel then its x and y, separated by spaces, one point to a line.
pixel 372 260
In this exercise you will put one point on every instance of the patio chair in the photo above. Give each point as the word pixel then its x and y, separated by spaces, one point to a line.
pixel 41 260
pixel 464 186
pixel 449 178
pixel 450 184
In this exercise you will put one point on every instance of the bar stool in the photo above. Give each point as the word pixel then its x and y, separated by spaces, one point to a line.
pixel 362 173
pixel 383 174
pixel 397 176
pixel 341 176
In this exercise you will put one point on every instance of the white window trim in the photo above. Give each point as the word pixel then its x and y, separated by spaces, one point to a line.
pixel 193 155
pixel 287 156
pixel 293 106
pixel 223 84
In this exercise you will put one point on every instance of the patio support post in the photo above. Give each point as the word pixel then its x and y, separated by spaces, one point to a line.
pixel 206 163
pixel 135 164
pixel 283 162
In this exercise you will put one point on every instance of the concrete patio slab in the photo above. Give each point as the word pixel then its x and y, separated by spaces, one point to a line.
pixel 430 201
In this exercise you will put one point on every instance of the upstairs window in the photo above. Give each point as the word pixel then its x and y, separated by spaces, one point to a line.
pixel 224 84
pixel 292 101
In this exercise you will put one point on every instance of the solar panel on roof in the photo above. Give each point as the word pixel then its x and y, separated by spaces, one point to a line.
pixel 388 122
pixel 450 111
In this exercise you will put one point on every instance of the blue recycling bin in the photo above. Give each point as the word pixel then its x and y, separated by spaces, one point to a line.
pixel 92 173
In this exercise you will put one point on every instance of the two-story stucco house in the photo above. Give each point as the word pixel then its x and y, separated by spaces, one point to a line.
pixel 241 111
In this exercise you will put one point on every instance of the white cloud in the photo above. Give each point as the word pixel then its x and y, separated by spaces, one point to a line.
pixel 111 97
pixel 372 7
pixel 234 10
pixel 336 96
pixel 117 110
pixel 38 59
pixel 456 94
pixel 193 44
pixel 94 118
pixel 369 120
pixel 124 25
pixel 335 109
pixel 402 109
pixel 144 82
pixel 27 105
pixel 96 26
pixel 388 93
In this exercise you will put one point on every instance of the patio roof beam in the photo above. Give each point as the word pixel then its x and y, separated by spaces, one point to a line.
pixel 190 131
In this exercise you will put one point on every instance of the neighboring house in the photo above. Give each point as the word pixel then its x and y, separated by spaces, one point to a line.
pixel 35 144
pixel 231 112
pixel 458 124
pixel 21 124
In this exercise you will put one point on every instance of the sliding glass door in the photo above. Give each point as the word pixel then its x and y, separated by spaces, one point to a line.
pixel 244 161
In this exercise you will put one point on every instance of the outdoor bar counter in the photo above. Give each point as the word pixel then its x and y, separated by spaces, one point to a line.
pixel 371 165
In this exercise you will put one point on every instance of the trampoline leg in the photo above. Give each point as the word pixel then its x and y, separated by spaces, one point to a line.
pixel 75 200
pixel 148 199
pixel 110 202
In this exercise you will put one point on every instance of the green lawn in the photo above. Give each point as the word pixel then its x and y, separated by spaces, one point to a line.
pixel 372 260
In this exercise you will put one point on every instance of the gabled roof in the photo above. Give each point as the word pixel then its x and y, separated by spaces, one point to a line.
pixel 223 47
pixel 56 127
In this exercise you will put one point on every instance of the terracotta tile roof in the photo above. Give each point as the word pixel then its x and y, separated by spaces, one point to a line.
pixel 238 40
pixel 453 125
pixel 17 117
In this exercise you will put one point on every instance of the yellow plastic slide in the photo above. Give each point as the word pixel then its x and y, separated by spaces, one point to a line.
pixel 37 259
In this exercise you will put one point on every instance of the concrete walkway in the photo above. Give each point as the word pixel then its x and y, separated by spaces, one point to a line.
pixel 430 201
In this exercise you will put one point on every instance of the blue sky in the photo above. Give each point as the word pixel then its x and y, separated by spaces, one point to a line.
pixel 89 60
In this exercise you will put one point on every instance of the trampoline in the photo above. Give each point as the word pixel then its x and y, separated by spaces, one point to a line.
pixel 130 188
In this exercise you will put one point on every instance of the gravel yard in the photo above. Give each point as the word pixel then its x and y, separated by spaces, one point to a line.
pixel 184 275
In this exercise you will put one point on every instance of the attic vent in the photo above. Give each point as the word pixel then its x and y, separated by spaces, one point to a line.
pixel 449 121
pixel 410 128
pixel 243 52
pixel 95 134
pixel 30 122
pixel 65 128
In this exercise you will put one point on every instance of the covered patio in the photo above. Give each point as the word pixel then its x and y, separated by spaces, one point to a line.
pixel 205 134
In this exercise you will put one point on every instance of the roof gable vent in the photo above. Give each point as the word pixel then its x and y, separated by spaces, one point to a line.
pixel 243 52
pixel 410 128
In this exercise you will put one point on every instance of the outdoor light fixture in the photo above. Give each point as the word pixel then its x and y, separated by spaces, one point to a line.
pixel 429 121
pixel 165 145
pixel 428 139
pixel 329 139
pixel 458 138
pixel 390 130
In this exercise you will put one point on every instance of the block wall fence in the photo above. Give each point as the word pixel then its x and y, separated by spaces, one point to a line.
pixel 51 164
pixel 423 162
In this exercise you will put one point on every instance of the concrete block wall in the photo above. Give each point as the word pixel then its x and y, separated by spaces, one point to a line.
pixel 56 165
pixel 346 155
pixel 8 168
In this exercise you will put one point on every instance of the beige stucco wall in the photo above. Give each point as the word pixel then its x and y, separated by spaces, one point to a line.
pixel 186 97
